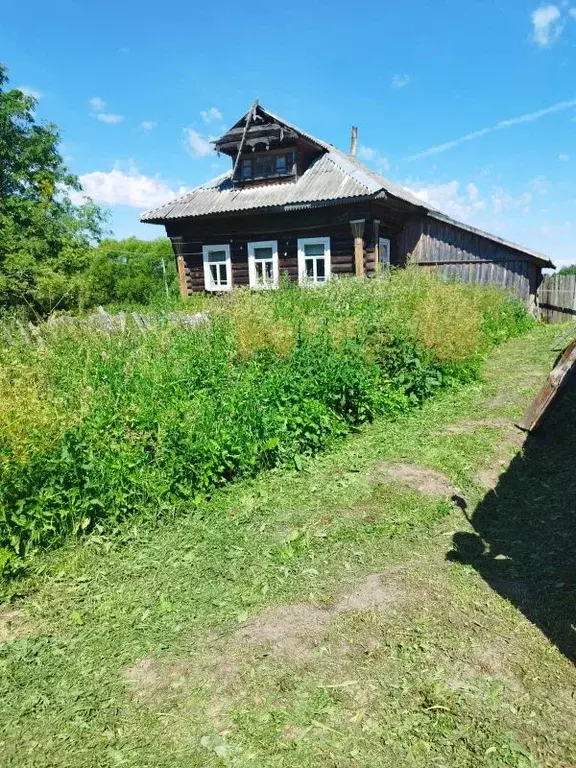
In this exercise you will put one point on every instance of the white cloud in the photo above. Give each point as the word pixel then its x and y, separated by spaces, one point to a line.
pixel 503 202
pixel 469 203
pixel 148 125
pixel 529 117
pixel 374 158
pixel 109 117
pixel 400 81
pixel 212 115
pixel 28 91
pixel 197 144
pixel 451 198
pixel 563 157
pixel 547 25
pixel 118 187
pixel 539 185
pixel 98 105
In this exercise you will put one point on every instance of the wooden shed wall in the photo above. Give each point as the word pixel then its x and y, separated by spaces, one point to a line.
pixel 470 257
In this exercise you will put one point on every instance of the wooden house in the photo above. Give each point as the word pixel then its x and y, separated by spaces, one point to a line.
pixel 291 203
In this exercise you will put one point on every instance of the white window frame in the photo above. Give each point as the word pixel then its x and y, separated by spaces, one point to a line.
pixel 303 279
pixel 384 242
pixel 273 244
pixel 209 285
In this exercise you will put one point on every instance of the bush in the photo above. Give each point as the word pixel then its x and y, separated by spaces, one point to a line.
pixel 97 427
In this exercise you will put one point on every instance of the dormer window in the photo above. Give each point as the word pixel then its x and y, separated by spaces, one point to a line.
pixel 267 165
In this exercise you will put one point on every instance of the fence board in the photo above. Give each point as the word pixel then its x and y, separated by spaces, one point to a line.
pixel 13 331
pixel 557 298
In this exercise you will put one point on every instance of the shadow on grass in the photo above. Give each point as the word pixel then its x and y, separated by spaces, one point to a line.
pixel 524 544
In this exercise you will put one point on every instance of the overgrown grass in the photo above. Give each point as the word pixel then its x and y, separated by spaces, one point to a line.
pixel 125 651
pixel 95 428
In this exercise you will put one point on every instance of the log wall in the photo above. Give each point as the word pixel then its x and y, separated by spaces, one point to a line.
pixel 431 243
pixel 188 238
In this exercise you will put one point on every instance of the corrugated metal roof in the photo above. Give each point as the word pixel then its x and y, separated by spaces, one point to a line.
pixel 334 176
pixel 327 178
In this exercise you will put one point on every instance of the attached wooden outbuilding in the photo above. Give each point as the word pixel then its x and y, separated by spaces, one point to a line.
pixel 294 204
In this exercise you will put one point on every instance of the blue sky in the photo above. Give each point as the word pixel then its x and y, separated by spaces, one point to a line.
pixel 472 104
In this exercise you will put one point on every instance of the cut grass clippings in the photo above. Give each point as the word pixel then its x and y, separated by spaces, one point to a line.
pixel 155 647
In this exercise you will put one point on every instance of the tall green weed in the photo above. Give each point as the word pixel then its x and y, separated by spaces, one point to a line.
pixel 97 427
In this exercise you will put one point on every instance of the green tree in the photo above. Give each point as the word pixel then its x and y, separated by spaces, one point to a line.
pixel 570 270
pixel 132 271
pixel 45 239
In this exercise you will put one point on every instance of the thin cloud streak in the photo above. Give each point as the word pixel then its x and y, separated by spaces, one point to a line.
pixel 529 117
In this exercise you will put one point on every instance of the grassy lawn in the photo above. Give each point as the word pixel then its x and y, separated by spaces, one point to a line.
pixel 350 614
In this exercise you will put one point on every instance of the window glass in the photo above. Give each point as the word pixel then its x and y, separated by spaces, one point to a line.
pixel 384 251
pixel 246 169
pixel 263 166
pixel 217 256
pixel 263 264
pixel 314 264
pixel 314 249
pixel 263 253
pixel 217 272
pixel 266 165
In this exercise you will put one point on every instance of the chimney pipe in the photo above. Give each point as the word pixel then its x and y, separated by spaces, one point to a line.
pixel 353 141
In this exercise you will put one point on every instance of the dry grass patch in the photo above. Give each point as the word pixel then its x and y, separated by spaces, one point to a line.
pixel 295 630
pixel 13 624
pixel 426 480
pixel 469 426
pixel 152 679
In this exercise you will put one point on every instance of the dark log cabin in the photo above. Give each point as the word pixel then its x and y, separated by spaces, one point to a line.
pixel 293 204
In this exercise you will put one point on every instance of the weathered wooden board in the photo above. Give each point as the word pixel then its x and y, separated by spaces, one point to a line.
pixel 100 319
pixel 557 298
pixel 539 407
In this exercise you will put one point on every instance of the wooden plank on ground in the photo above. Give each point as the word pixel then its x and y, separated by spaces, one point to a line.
pixel 538 408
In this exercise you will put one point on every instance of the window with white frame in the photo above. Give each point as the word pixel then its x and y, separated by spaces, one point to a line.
pixel 217 267
pixel 384 251
pixel 314 259
pixel 263 264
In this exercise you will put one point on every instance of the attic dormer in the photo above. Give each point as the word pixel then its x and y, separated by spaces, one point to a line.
pixel 264 149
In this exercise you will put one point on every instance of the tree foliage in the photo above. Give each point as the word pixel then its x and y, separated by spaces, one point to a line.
pixel 569 270
pixel 45 239
pixel 131 271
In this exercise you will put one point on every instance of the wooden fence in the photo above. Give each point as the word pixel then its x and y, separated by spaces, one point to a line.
pixel 557 299
pixel 120 322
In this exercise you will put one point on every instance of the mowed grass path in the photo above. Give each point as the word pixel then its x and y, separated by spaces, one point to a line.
pixel 312 618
